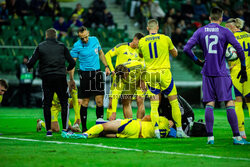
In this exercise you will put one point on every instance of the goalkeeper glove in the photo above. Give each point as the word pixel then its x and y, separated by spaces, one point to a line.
pixel 200 62
pixel 243 74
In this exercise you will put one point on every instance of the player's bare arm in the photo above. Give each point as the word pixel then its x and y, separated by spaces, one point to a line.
pixel 174 52
pixel 103 59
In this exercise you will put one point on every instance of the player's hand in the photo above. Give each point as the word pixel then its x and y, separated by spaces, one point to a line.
pixel 112 73
pixel 107 71
pixel 113 116
pixel 242 74
pixel 72 84
pixel 200 62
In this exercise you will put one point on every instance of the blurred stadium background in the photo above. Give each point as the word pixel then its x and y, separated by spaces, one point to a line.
pixel 23 23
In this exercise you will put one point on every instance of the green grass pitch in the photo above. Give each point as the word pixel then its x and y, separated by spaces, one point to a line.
pixel 21 124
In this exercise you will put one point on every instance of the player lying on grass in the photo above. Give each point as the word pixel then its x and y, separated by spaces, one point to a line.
pixel 241 89
pixel 127 128
pixel 56 108
pixel 124 52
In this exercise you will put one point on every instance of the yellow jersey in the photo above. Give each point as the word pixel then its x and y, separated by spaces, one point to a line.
pixel 56 102
pixel 1 98
pixel 135 69
pixel 123 53
pixel 155 51
pixel 147 130
pixel 244 40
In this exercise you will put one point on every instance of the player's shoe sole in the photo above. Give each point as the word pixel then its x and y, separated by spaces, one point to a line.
pixel 38 125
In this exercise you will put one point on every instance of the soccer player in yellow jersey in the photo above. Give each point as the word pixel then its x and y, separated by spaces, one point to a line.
pixel 155 49
pixel 56 108
pixel 128 81
pixel 3 88
pixel 241 89
pixel 127 128
pixel 124 52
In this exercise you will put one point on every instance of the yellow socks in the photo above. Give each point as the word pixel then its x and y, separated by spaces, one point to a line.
pixel 240 115
pixel 248 106
pixel 176 113
pixel 94 131
pixel 154 113
pixel 43 124
pixel 114 107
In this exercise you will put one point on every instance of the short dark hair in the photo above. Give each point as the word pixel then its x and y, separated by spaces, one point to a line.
pixel 82 28
pixel 51 33
pixel 139 35
pixel 216 13
pixel 4 83
pixel 26 57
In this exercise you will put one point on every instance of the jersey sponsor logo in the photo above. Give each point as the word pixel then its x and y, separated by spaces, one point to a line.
pixel 212 29
pixel 96 50
pixel 125 53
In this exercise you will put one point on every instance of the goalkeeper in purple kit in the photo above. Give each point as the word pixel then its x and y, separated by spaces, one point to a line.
pixel 217 84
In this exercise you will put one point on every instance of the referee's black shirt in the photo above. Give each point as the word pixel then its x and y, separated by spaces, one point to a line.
pixel 52 56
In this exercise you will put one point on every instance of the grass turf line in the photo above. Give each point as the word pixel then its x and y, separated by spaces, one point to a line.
pixel 21 123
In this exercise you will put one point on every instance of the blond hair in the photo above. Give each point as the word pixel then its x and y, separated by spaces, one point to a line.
pixel 238 23
pixel 152 24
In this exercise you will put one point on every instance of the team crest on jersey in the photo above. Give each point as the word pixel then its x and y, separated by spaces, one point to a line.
pixel 96 50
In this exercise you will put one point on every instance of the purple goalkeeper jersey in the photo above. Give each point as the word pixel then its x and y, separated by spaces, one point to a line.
pixel 213 40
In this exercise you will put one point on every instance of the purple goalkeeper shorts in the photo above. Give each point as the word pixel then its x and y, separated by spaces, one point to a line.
pixel 216 88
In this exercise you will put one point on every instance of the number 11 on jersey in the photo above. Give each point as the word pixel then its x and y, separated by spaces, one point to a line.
pixel 155 50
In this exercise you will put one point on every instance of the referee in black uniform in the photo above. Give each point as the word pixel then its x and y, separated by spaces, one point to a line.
pixel 52 56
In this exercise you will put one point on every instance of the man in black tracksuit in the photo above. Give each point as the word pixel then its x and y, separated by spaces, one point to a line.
pixel 52 56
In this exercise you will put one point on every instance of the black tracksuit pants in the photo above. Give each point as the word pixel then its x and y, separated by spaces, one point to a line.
pixel 55 84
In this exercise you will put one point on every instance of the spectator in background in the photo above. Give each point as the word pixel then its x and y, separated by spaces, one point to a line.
pixel 200 11
pixel 3 88
pixel 155 9
pixel 134 5
pixel 178 38
pixel 52 8
pixel 169 27
pixel 145 14
pixel 79 10
pixel 25 78
pixel 182 25
pixel 61 27
pixel 89 18
pixel 4 14
pixel 189 11
pixel 98 10
pixel 37 6
pixel 225 15
pixel 108 19
pixel 73 25
pixel 18 8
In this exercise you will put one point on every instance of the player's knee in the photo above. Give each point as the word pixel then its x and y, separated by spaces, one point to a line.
pixel 99 103
pixel 85 103
pixel 140 101
pixel 55 129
